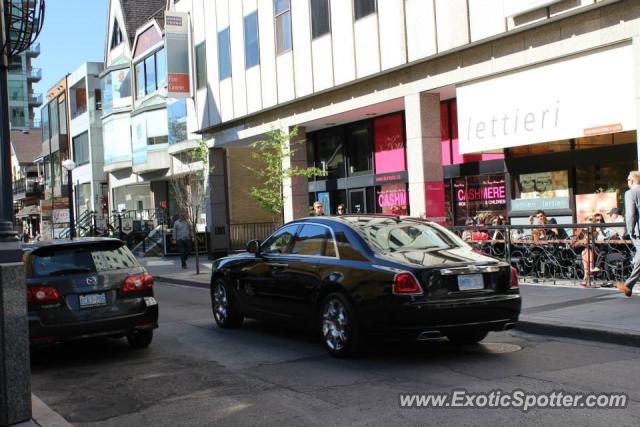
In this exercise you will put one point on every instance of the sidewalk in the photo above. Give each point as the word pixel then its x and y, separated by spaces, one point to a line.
pixel 168 269
pixel 600 314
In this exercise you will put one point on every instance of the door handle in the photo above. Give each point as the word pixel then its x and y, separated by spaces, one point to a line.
pixel 277 265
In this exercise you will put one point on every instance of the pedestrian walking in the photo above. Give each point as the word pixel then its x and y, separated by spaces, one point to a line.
pixel 182 237
pixel 631 215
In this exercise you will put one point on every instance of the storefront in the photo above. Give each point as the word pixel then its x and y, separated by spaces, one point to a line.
pixel 565 131
pixel 366 166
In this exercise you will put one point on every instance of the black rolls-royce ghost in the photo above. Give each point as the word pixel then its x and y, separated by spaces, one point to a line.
pixel 356 277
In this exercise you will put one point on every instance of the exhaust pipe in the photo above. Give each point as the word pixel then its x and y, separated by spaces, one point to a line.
pixel 429 335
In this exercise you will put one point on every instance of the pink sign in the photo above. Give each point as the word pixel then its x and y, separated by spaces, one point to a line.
pixel 392 198
pixel 389 144
pixel 490 192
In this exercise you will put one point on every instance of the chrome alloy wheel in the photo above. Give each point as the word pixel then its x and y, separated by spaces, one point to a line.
pixel 220 303
pixel 334 325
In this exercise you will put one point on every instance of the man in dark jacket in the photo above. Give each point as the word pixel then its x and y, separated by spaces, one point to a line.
pixel 632 213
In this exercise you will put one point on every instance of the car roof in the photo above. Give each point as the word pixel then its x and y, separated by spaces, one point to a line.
pixel 354 220
pixel 81 241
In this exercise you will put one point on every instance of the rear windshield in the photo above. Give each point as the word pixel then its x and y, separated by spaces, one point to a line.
pixel 393 234
pixel 60 260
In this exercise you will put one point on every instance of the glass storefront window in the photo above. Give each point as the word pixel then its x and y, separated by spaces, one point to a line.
pixel 392 199
pixel 478 197
pixel 360 149
pixel 132 197
pixel 329 153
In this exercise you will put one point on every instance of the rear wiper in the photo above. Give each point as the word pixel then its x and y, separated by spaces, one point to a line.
pixel 71 271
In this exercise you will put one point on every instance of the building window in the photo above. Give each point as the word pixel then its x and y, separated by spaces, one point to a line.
pixel 320 18
pixel 282 13
pixel 364 8
pixel 251 45
pixel 116 38
pixel 201 66
pixel 17 117
pixel 53 113
pixel 62 108
pixel 81 149
pixel 98 98
pixel 224 54
pixel 44 115
pixel 151 74
pixel 16 90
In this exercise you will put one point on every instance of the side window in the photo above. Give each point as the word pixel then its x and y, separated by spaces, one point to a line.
pixel 347 251
pixel 280 242
pixel 314 240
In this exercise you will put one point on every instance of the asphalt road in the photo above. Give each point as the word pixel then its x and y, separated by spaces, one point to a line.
pixel 195 374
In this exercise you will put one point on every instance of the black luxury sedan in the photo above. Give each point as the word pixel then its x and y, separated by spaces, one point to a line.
pixel 357 277
pixel 85 288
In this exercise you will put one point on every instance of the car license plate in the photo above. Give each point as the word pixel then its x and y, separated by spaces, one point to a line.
pixel 468 282
pixel 93 300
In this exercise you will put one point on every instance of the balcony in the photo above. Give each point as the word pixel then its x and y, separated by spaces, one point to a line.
pixel 34 50
pixel 35 99
pixel 26 187
pixel 34 74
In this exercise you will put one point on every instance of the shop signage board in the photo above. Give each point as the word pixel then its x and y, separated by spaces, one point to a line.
pixel 127 225
pixel 101 225
pixel 176 31
pixel 540 203
pixel 60 216
pixel 586 94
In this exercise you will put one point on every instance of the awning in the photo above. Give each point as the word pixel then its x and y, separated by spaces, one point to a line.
pixel 28 211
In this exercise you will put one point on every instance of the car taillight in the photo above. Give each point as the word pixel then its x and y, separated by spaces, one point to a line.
pixel 514 277
pixel 137 283
pixel 406 284
pixel 40 294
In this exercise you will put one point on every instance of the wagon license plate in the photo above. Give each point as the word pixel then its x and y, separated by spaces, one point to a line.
pixel 468 282
pixel 93 300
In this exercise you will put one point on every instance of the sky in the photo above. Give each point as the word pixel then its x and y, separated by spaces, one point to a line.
pixel 73 33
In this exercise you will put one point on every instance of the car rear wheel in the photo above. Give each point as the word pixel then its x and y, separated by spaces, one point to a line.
pixel 339 326
pixel 224 311
pixel 140 339
pixel 467 337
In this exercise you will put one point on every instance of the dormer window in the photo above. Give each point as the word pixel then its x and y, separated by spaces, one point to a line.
pixel 116 37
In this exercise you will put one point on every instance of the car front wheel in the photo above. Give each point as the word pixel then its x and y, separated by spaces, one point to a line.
pixel 339 326
pixel 224 311
pixel 467 337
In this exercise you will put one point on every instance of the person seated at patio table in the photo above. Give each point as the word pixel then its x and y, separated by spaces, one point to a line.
pixel 580 242
pixel 615 216
pixel 466 234
pixel 546 233
pixel 498 233
pixel 599 233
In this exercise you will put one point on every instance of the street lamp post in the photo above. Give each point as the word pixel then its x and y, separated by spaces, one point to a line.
pixel 20 24
pixel 69 165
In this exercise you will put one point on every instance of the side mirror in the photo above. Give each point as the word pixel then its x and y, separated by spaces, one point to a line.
pixel 253 247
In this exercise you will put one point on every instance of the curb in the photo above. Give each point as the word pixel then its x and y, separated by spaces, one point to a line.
pixel 45 416
pixel 582 333
pixel 182 282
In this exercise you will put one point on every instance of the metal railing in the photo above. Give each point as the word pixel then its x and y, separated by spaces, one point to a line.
pixel 240 234
pixel 35 99
pixel 34 73
pixel 27 186
pixel 595 255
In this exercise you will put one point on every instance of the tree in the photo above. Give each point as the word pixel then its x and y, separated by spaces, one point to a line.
pixel 271 152
pixel 191 187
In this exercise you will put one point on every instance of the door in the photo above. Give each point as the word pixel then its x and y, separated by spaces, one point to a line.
pixel 313 256
pixel 256 284
pixel 357 201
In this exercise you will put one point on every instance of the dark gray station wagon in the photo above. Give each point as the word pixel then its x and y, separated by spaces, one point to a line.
pixel 88 287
